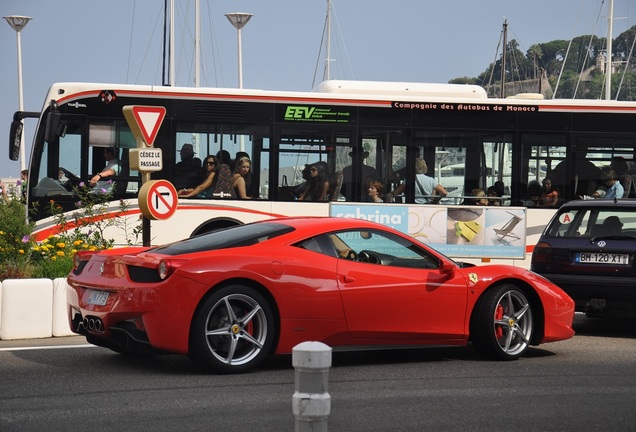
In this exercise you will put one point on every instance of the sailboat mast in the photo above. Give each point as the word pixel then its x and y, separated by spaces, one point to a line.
pixel 608 67
pixel 171 45
pixel 197 43
pixel 328 59
pixel 502 91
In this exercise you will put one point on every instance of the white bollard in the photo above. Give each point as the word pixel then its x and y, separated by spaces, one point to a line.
pixel 311 403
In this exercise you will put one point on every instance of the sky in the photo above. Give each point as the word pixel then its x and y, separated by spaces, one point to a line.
pixel 120 41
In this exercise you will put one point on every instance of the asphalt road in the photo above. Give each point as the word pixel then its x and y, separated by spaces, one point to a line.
pixel 585 384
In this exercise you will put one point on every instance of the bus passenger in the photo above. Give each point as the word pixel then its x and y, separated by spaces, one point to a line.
pixel 111 169
pixel 242 169
pixel 549 195
pixel 480 198
pixel 376 189
pixel 224 158
pixel 611 187
pixel 620 167
pixel 494 199
pixel 427 189
pixel 248 177
pixel 187 171
pixel 205 189
pixel 355 188
pixel 24 178
pixel 534 191
pixel 317 186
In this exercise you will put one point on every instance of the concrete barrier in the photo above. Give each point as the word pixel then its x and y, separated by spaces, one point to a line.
pixel 26 309
pixel 33 308
pixel 60 315
pixel 311 402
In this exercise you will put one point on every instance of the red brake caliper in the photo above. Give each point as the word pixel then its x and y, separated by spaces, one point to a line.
pixel 499 313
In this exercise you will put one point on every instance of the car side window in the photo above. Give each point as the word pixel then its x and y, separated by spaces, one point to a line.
pixel 321 244
pixel 381 248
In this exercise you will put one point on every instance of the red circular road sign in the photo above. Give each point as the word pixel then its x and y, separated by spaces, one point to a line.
pixel 158 199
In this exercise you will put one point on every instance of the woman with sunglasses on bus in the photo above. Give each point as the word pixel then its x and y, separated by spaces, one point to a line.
pixel 205 189
pixel 317 186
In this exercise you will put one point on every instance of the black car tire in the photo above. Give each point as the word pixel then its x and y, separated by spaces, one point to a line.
pixel 232 331
pixel 503 325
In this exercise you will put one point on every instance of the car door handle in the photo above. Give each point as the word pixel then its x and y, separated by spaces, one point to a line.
pixel 347 279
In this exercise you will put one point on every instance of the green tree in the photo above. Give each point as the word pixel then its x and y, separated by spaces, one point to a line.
pixel 576 62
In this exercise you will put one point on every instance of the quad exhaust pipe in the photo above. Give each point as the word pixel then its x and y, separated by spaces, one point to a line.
pixel 93 324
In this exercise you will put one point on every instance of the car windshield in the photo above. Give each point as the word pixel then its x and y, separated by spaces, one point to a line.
pixel 242 235
pixel 593 222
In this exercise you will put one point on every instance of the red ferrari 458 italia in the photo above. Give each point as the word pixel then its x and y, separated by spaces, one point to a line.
pixel 230 298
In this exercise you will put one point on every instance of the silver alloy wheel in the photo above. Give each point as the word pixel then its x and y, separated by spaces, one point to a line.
pixel 513 322
pixel 236 329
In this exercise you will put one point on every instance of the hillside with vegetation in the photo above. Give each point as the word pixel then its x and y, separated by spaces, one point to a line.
pixel 579 63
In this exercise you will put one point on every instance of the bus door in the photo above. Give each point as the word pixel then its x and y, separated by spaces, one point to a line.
pixel 542 155
pixel 445 156
pixel 611 152
pixel 365 162
pixel 495 168
pixel 303 147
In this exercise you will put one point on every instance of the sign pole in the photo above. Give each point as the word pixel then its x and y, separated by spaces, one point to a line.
pixel 145 221
pixel 144 123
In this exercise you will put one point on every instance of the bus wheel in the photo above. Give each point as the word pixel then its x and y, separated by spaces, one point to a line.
pixel 502 326
pixel 232 331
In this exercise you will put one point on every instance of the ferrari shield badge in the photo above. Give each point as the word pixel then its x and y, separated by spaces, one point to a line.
pixel 473 277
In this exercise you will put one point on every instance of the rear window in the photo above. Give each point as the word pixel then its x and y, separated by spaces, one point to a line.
pixel 242 235
pixel 593 222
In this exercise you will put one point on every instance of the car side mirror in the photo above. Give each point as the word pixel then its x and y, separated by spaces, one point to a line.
pixel 446 267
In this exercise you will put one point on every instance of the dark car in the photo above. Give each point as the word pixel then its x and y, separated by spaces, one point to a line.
pixel 588 250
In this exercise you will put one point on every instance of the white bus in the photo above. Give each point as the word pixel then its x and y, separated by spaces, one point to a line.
pixel 370 126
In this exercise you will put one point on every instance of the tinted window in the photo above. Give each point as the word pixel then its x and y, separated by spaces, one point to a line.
pixel 593 222
pixel 243 235
pixel 372 247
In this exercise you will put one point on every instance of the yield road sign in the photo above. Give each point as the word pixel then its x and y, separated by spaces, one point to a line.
pixel 144 121
pixel 158 199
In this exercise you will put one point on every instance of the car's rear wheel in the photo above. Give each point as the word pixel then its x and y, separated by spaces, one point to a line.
pixel 232 331
pixel 503 324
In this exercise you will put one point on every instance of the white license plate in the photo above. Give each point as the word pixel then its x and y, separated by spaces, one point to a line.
pixel 602 258
pixel 98 298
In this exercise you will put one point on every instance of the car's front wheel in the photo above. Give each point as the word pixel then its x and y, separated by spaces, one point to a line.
pixel 503 324
pixel 232 331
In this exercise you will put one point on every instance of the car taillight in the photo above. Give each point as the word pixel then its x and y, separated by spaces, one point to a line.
pixel 80 259
pixel 164 269
pixel 168 266
pixel 541 256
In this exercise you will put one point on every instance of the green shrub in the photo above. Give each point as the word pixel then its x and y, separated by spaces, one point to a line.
pixel 15 239
pixel 83 229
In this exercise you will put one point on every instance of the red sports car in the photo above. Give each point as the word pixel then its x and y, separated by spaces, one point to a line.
pixel 229 298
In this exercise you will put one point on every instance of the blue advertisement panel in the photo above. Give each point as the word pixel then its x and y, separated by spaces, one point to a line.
pixel 456 231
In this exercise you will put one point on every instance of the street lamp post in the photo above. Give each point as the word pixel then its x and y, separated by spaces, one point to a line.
pixel 17 23
pixel 238 20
